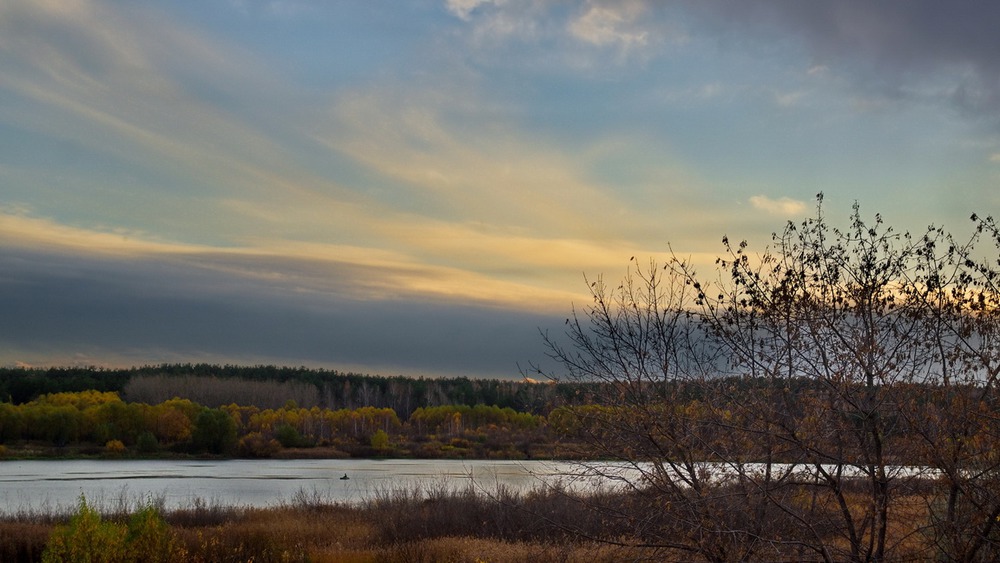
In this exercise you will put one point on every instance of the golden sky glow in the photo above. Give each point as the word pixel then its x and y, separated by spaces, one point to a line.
pixel 424 184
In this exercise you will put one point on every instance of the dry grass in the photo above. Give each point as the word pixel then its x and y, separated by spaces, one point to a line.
pixel 399 527
pixel 478 550
pixel 444 525
pixel 23 541
pixel 410 526
pixel 279 534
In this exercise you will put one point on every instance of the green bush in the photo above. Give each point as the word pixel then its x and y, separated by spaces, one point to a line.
pixel 149 539
pixel 215 432
pixel 88 539
pixel 289 437
pixel 147 443
pixel 380 440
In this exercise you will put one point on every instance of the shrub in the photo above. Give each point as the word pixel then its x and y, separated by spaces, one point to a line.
pixel 256 444
pixel 214 431
pixel 149 539
pixel 147 443
pixel 87 538
pixel 114 447
pixel 380 440
pixel 289 437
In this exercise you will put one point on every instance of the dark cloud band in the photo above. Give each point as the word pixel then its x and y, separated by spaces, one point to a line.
pixel 56 304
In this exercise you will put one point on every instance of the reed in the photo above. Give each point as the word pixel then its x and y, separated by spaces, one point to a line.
pixel 435 523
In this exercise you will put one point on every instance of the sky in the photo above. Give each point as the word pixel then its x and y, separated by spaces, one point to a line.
pixel 421 187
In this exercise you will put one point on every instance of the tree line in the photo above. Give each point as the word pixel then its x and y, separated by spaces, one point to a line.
pixel 270 386
pixel 100 422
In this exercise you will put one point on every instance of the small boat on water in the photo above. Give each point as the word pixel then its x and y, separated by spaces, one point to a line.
pixel 345 477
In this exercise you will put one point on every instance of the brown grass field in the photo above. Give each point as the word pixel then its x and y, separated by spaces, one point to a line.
pixel 410 526
pixel 415 526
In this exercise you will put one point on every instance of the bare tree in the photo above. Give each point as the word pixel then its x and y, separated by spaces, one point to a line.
pixel 831 397
pixel 953 421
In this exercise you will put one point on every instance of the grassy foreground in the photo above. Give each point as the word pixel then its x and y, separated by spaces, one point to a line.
pixel 440 524
pixel 399 526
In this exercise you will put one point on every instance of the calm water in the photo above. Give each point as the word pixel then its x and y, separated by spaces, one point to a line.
pixel 57 485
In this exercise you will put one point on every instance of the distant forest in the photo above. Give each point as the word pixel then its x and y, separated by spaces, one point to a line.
pixel 272 386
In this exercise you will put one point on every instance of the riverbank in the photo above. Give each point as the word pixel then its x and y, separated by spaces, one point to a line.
pixel 411 525
pixel 435 524
pixel 38 451
pixel 418 510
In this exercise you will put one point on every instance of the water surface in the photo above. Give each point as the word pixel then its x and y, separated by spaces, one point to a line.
pixel 57 485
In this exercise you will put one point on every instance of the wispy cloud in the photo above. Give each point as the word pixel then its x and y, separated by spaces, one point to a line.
pixel 483 216
pixel 494 176
pixel 356 272
pixel 464 8
pixel 130 98
pixel 19 229
pixel 611 25
pixel 788 99
pixel 783 206
pixel 586 36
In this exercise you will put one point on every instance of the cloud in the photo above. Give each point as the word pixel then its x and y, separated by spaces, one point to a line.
pixel 77 308
pixel 464 8
pixel 924 50
pixel 113 298
pixel 788 99
pixel 442 210
pixel 495 22
pixel 118 298
pixel 476 190
pixel 783 206
pixel 359 273
pixel 464 166
pixel 613 32
pixel 119 83
pixel 917 49
pixel 19 229
pixel 464 179
pixel 611 25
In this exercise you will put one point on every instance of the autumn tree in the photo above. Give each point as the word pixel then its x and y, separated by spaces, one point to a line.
pixel 215 432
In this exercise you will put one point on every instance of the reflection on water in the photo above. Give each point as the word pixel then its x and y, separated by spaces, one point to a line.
pixel 55 486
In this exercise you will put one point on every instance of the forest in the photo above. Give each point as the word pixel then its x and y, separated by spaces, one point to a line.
pixel 99 423
pixel 268 411
pixel 270 386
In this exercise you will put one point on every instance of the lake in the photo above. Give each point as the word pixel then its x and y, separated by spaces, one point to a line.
pixel 56 486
